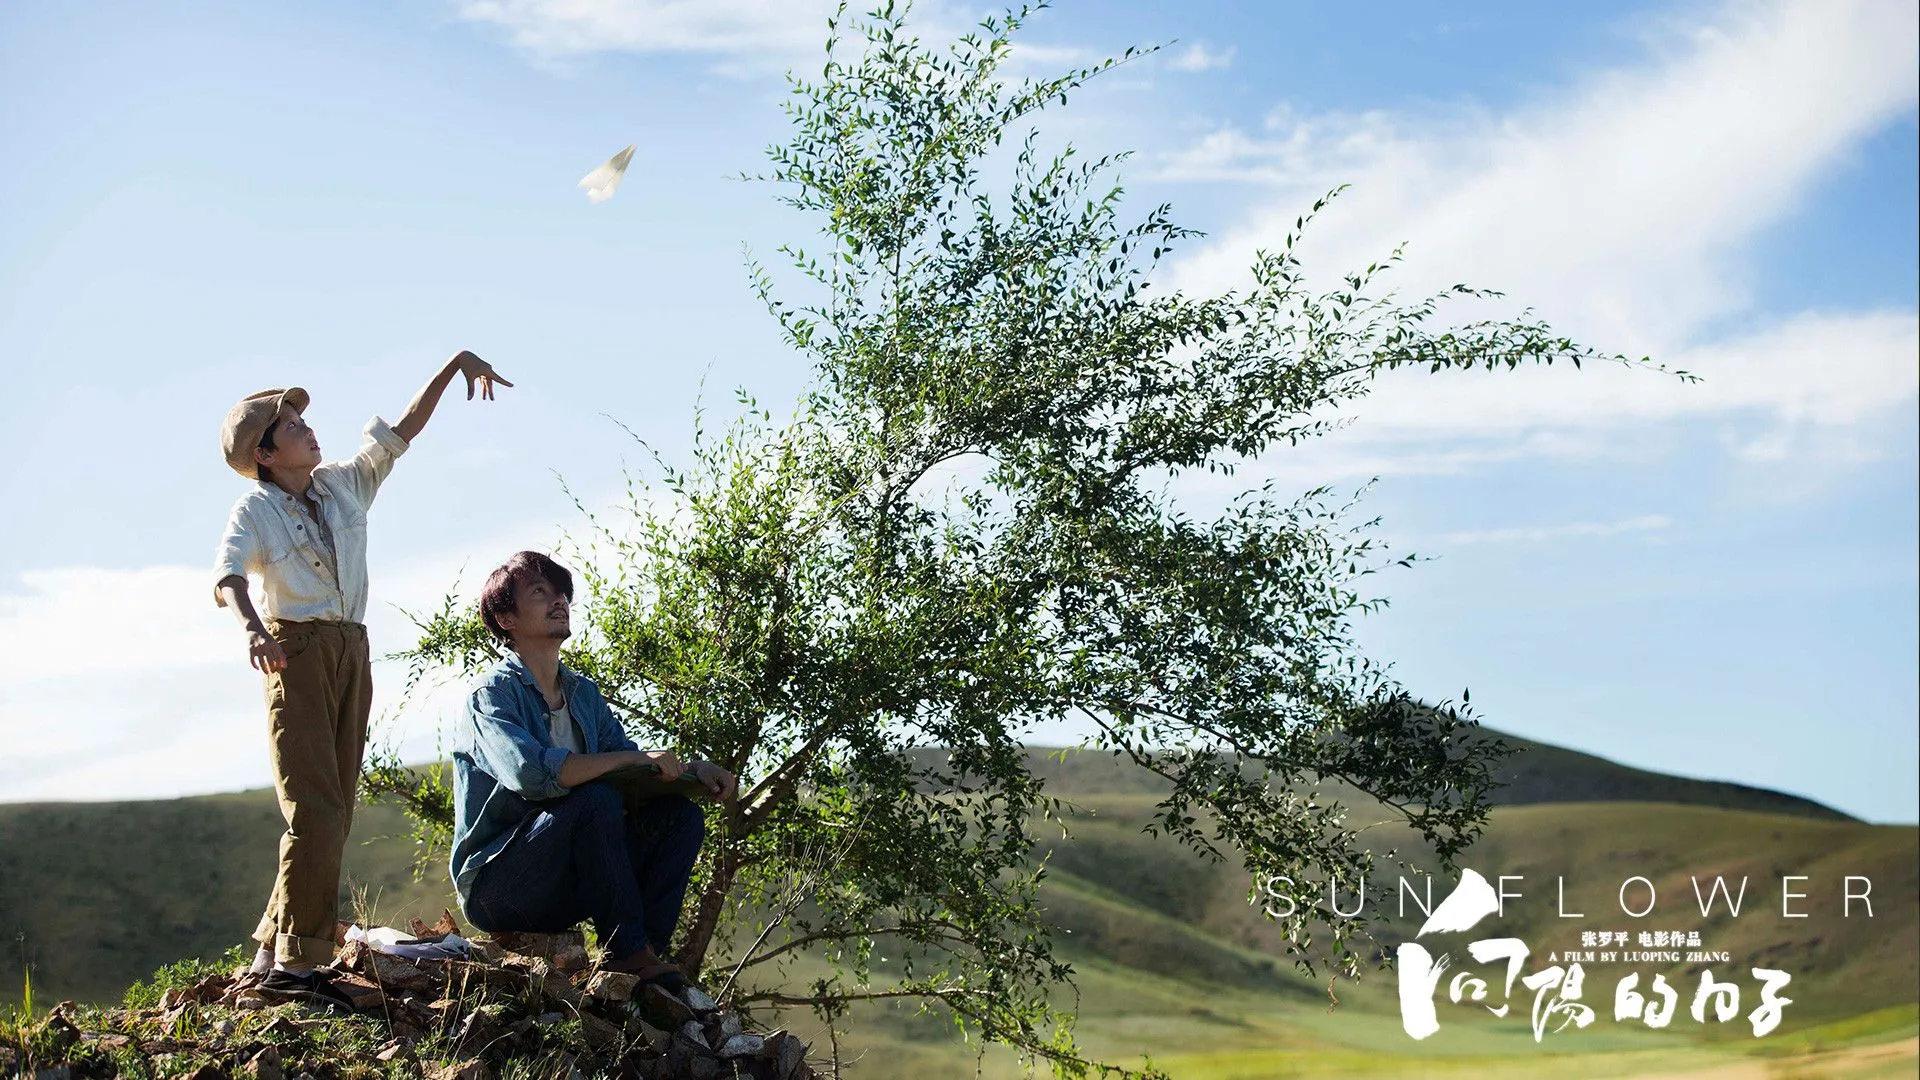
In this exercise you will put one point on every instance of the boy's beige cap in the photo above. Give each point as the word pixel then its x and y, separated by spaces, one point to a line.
pixel 249 420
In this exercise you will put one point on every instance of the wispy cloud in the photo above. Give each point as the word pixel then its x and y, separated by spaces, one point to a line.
pixel 746 38
pixel 1536 534
pixel 121 683
pixel 86 621
pixel 1623 211
pixel 1289 150
pixel 1199 57
pixel 719 27
pixel 1811 370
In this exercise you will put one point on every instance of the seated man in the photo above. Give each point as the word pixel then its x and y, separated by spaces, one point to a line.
pixel 540 842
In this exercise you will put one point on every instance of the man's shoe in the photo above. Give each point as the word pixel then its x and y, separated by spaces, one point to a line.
pixel 315 987
pixel 647 966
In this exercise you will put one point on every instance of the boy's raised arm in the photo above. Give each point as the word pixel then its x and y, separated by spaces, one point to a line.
pixel 420 409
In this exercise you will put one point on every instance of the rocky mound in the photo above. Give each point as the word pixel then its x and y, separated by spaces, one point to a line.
pixel 534 1001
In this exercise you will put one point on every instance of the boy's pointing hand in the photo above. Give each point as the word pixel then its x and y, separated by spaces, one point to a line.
pixel 478 371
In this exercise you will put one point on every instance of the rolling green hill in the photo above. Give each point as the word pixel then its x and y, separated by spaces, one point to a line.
pixel 1173 960
pixel 1541 773
pixel 1536 773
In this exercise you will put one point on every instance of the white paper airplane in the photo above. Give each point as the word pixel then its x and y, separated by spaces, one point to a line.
pixel 601 181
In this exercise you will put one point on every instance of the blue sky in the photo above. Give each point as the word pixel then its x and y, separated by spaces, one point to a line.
pixel 1717 580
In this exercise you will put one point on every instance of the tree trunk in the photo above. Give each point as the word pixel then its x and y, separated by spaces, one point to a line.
pixel 706 915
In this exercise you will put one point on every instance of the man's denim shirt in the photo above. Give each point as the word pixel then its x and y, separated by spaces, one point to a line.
pixel 505 765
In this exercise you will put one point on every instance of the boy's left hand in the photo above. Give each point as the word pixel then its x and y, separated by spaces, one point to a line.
pixel 478 371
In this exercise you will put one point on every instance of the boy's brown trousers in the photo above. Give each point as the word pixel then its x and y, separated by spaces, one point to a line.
pixel 317 709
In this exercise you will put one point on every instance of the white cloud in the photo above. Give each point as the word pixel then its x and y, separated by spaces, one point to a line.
pixel 1812 369
pixel 154 734
pixel 565 27
pixel 1623 213
pixel 748 37
pixel 1620 210
pixel 129 683
pixel 1535 534
pixel 1197 57
pixel 87 621
pixel 120 684
pixel 1310 153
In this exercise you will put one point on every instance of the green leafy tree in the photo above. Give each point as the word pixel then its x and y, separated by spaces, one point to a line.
pixel 963 533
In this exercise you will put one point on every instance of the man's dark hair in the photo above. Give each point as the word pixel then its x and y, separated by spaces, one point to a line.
pixel 496 597
pixel 266 443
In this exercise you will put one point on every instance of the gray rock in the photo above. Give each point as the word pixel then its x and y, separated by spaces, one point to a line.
pixel 787 1052
pixel 742 1046
pixel 652 1037
pixel 698 998
pixel 266 1065
pixel 611 986
pixel 663 1008
pixel 692 1033
pixel 681 1056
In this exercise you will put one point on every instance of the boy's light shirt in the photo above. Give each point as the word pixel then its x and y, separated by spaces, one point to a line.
pixel 269 537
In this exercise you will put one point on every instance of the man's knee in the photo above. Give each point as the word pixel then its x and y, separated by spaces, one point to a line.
pixel 685 820
pixel 597 799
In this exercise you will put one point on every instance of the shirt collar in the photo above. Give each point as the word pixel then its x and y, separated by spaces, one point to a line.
pixel 316 489
pixel 520 671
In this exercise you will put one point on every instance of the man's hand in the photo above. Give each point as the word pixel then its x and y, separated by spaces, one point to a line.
pixel 265 653
pixel 668 764
pixel 479 371
pixel 721 784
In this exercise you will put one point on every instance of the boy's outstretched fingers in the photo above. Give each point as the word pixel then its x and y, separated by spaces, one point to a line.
pixel 479 371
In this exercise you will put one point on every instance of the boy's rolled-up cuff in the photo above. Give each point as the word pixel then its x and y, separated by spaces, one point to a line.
pixel 288 949
pixel 381 433
pixel 222 573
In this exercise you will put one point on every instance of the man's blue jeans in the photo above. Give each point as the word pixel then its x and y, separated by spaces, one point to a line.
pixel 584 858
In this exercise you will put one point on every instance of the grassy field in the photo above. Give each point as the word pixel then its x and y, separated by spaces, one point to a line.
pixel 1173 961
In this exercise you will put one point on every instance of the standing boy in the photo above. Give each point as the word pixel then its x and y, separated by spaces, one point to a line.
pixel 302 529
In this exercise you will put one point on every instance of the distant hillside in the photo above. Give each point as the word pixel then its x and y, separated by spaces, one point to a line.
pixel 98 894
pixel 1542 773
pixel 1536 773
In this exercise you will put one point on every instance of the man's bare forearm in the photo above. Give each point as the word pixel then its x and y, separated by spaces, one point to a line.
pixel 581 768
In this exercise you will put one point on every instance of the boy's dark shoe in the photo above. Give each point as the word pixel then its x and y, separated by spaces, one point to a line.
pixel 315 987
